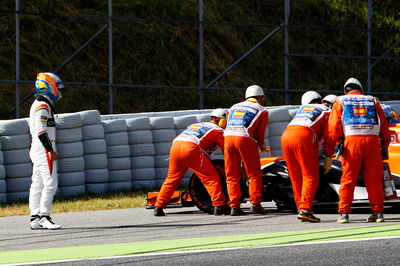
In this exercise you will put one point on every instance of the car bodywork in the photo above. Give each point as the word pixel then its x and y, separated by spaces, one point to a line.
pixel 277 185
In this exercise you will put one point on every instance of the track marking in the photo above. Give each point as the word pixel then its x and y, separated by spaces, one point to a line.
pixel 206 244
pixel 209 250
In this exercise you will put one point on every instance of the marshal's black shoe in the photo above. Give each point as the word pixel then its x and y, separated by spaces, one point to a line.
pixel 308 216
pixel 158 211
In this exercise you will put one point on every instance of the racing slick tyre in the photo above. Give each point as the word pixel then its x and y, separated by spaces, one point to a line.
pixel 198 192
pixel 278 187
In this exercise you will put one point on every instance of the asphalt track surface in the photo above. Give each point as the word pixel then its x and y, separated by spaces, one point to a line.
pixel 188 236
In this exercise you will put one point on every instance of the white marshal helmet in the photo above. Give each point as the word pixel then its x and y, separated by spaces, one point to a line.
pixel 310 96
pixel 330 98
pixel 352 84
pixel 219 112
pixel 253 91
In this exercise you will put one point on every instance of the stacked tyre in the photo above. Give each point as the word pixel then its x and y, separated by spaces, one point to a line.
pixel 142 152
pixel 71 164
pixel 163 130
pixel 15 143
pixel 94 152
pixel 3 184
pixel 278 120
pixel 118 154
pixel 203 117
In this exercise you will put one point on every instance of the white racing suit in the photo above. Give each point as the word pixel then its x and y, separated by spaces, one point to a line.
pixel 44 173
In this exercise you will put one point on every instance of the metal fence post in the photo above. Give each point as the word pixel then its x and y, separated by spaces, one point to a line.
pixel 287 15
pixel 369 78
pixel 201 53
pixel 110 59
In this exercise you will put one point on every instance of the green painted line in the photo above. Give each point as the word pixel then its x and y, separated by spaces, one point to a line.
pixel 193 244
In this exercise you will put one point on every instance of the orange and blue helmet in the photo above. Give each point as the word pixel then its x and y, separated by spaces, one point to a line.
pixel 49 84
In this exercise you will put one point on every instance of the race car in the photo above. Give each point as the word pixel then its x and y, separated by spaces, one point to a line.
pixel 277 185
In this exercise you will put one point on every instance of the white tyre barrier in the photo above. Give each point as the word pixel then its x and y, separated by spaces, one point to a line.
pixel 68 135
pixel 143 184
pixel 90 117
pixel 97 188
pixel 96 161
pixel 71 179
pixel 14 142
pixel 3 186
pixel 275 143
pixel 292 113
pixel 93 132
pixel 75 164
pixel 143 174
pixel 123 175
pixel 68 120
pixel 158 183
pixel 118 151
pixel 161 160
pixel 278 115
pixel 16 156
pixel 94 146
pixel 277 128
pixel 161 173
pixel 162 148
pixel 3 172
pixel 166 122
pixel 203 117
pixel 142 162
pixel 139 123
pixel 163 135
pixel 116 138
pixel 119 186
pixel 16 196
pixel 182 122
pixel 144 149
pixel 18 170
pixel 140 136
pixel 116 125
pixel 68 150
pixel 21 184
pixel 96 175
pixel 119 163
pixel 14 127
pixel 72 191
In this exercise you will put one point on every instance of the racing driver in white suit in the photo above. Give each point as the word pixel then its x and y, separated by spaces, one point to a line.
pixel 43 150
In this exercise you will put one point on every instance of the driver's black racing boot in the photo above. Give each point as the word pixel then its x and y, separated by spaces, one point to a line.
pixel 222 210
pixel 236 211
pixel 308 216
pixel 158 211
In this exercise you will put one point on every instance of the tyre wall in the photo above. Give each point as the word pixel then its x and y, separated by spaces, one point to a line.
pixel 163 131
pixel 142 152
pixel 15 168
pixel 94 152
pixel 99 153
pixel 71 163
pixel 118 154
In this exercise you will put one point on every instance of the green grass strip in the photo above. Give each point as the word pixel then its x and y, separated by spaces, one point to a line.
pixel 192 244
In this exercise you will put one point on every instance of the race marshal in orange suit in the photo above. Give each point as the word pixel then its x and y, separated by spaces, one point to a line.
pixel 359 120
pixel 244 139
pixel 192 149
